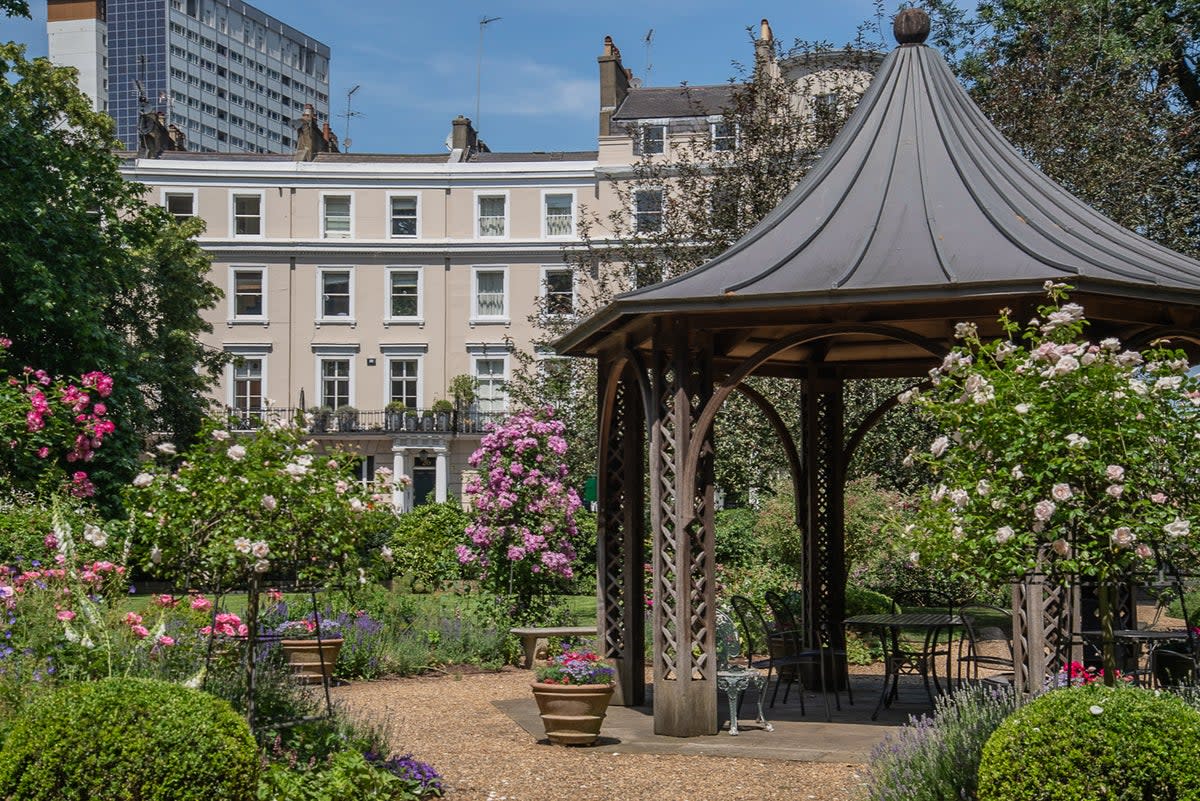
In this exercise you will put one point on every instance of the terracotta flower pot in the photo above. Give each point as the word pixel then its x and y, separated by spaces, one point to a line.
pixel 572 713
pixel 306 657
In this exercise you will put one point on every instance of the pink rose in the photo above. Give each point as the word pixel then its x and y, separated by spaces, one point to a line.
pixel 66 615
pixel 141 632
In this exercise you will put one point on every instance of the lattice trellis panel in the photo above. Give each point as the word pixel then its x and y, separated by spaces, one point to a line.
pixel 824 579
pixel 699 538
pixel 664 472
pixel 1045 611
pixel 620 532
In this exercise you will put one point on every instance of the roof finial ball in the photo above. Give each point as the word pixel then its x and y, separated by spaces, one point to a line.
pixel 911 26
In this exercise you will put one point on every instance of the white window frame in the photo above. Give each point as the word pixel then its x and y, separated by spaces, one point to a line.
pixel 321 361
pixel 321 319
pixel 480 194
pixel 491 353
pixel 388 317
pixel 544 286
pixel 388 214
pixel 546 193
pixel 168 192
pixel 234 194
pixel 639 138
pixel 476 317
pixel 249 351
pixel 391 359
pixel 325 216
pixel 324 353
pixel 234 317
pixel 712 133
pixel 633 211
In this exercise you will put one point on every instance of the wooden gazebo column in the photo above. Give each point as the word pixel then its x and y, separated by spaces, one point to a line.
pixel 620 531
pixel 822 424
pixel 685 669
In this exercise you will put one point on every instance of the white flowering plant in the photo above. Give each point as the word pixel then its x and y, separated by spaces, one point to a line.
pixel 232 509
pixel 1058 453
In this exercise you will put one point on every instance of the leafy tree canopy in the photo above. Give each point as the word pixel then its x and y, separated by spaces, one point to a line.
pixel 96 278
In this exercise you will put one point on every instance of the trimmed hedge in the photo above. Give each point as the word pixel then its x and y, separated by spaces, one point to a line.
pixel 1095 742
pixel 128 740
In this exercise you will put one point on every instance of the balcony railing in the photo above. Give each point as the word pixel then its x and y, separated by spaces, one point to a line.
pixel 373 421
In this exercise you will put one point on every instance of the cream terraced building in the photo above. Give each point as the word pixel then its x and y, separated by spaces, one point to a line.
pixel 357 281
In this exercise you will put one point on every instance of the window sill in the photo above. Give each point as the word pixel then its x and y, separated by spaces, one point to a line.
pixel 263 321
pixel 489 321
pixel 419 321
pixel 335 321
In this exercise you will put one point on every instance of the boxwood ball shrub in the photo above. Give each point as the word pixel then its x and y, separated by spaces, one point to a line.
pixel 1095 743
pixel 128 739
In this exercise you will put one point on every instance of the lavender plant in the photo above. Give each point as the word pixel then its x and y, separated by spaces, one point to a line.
pixel 936 758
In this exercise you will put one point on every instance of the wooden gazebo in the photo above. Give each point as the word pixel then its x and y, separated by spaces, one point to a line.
pixel 920 215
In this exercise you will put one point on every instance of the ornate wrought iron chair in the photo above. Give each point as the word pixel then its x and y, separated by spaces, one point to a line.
pixel 734 679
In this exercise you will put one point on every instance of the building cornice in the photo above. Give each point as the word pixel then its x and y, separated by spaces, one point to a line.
pixel 224 249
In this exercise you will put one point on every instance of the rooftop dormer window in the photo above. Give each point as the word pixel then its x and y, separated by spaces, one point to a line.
pixel 650 140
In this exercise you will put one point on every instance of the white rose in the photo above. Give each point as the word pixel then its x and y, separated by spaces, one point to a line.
pixel 385 553
pixel 95 535
pixel 1043 510
pixel 1003 534
pixel 260 549
pixel 1077 441
pixel 1123 537
pixel 166 448
pixel 983 488
pixel 357 505
pixel 269 503
pixel 220 435
pixel 1177 528
pixel 1017 472
pixel 939 446
pixel 242 544
pixel 1115 490
pixel 959 497
pixel 938 493
pixel 1022 408
pixel 295 470
pixel 1114 472
pixel 156 555
pixel 236 453
pixel 262 566
pixel 1061 492
pixel 1143 551
pixel 1061 547
pixel 143 480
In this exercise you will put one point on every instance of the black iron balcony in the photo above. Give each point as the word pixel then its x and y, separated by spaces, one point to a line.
pixel 369 421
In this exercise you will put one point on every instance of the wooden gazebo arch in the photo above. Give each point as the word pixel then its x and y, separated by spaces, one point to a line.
pixel 920 215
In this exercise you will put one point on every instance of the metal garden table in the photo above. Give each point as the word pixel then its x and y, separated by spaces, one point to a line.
pixel 897 661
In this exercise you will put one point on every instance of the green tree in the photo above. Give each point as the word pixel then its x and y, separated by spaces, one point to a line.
pixel 95 277
pixel 15 8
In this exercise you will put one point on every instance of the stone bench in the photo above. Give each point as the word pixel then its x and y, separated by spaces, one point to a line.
pixel 532 637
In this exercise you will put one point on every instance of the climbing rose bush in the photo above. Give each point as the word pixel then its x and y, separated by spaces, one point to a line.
pixel 524 530
pixel 51 427
pixel 1057 450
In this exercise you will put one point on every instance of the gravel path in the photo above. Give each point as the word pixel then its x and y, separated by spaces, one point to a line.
pixel 451 722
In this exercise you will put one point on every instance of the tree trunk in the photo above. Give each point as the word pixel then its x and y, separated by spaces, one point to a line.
pixel 1107 593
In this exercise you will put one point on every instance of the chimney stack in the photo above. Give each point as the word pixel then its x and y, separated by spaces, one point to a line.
pixel 614 84
pixel 463 138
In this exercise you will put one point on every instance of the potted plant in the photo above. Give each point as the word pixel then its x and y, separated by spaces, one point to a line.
pixel 311 647
pixel 462 389
pixel 410 419
pixel 347 418
pixel 319 417
pixel 394 415
pixel 572 695
pixel 442 410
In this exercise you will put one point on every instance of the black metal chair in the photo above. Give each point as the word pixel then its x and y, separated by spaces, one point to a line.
pixel 786 609
pixel 921 659
pixel 987 629
pixel 783 654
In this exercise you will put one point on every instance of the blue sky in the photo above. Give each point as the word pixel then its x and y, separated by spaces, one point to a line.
pixel 416 61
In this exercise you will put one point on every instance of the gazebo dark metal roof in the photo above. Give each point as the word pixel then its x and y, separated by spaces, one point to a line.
pixel 918 216
pixel 919 198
